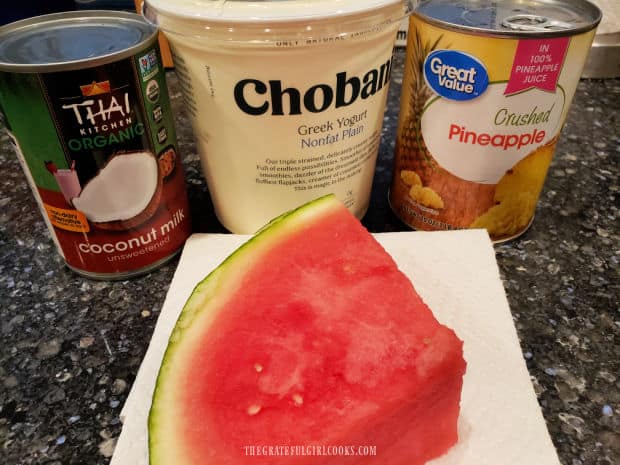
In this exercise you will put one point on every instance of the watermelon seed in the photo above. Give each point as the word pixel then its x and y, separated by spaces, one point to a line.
pixel 253 409
pixel 298 399
pixel 258 367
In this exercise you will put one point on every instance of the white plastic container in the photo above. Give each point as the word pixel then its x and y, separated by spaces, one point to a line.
pixel 286 97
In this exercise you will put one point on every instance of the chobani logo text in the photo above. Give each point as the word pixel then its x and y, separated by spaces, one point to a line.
pixel 256 97
pixel 455 75
pixel 103 117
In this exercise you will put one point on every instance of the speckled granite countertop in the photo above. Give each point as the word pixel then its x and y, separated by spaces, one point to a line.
pixel 70 347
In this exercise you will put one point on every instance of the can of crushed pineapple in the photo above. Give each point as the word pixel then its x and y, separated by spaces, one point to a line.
pixel 486 90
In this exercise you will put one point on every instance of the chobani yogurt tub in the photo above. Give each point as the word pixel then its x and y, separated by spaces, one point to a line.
pixel 286 97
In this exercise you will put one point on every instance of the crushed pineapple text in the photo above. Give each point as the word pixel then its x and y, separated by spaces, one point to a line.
pixel 462 135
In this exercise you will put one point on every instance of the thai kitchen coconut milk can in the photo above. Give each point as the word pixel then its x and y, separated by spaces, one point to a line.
pixel 86 105
pixel 486 90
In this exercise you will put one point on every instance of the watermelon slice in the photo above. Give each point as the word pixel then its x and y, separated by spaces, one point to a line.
pixel 307 346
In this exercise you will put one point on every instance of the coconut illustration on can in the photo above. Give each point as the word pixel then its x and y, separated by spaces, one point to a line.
pixel 124 194
pixel 286 98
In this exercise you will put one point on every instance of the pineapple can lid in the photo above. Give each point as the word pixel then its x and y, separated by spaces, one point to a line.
pixel 512 18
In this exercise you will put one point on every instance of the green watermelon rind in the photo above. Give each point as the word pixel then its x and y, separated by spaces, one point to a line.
pixel 202 294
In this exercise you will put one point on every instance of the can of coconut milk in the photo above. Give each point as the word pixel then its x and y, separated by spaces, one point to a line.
pixel 86 105
pixel 486 90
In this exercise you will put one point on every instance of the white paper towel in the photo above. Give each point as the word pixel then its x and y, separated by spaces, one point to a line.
pixel 456 274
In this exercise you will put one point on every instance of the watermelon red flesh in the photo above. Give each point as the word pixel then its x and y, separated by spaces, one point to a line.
pixel 309 335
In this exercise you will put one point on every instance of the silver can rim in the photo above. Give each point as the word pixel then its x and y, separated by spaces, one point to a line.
pixel 87 17
pixel 515 34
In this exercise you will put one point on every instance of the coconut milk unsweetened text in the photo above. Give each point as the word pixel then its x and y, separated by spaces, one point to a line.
pixel 86 105
pixel 286 97
pixel 486 90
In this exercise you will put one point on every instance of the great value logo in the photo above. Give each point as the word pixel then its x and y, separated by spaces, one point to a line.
pixel 455 75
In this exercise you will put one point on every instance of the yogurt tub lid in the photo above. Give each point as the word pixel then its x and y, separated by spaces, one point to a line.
pixel 72 40
pixel 268 20
pixel 514 18
pixel 266 10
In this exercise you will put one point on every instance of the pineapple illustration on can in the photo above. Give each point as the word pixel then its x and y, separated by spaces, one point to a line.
pixel 486 90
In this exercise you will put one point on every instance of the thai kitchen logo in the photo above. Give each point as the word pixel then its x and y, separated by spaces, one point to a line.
pixel 96 88
pixel 102 117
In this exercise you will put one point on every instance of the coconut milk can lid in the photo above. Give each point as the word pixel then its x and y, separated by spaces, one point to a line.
pixel 512 17
pixel 268 10
pixel 72 40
